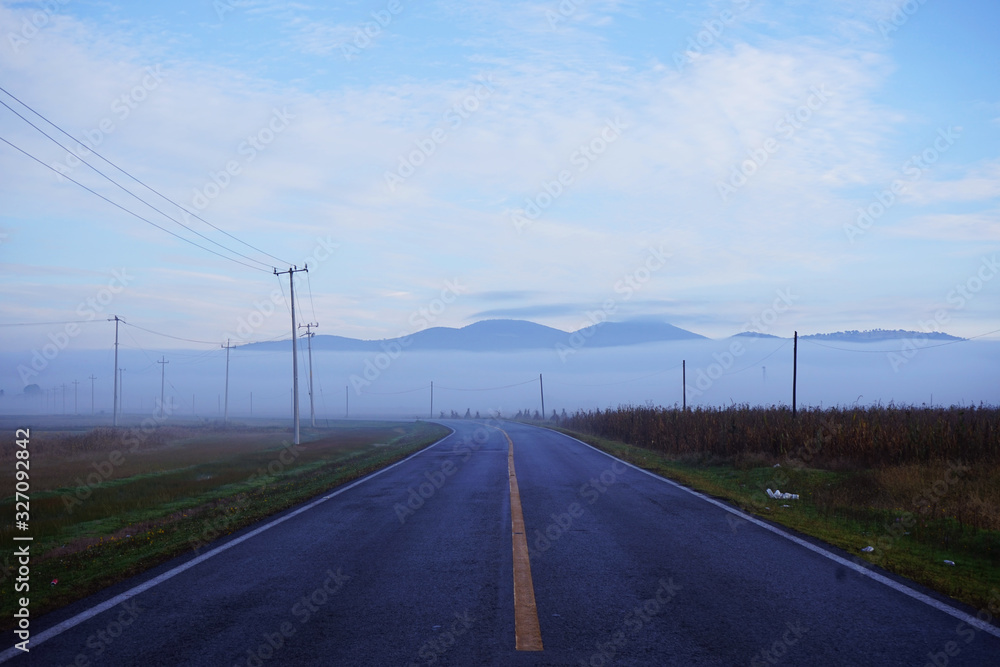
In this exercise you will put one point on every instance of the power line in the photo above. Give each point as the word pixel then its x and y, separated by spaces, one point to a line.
pixel 150 188
pixel 283 298
pixel 157 333
pixel 130 212
pixel 152 361
pixel 312 303
pixel 618 382
pixel 754 364
pixel 129 192
pixel 39 324
pixel 396 393
pixel 506 386
pixel 278 338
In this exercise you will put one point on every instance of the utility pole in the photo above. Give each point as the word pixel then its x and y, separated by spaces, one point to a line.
pixel 121 389
pixel 347 402
pixel 684 395
pixel 163 377
pixel 541 388
pixel 92 378
pixel 114 405
pixel 64 397
pixel 76 405
pixel 795 369
pixel 295 350
pixel 312 406
pixel 225 416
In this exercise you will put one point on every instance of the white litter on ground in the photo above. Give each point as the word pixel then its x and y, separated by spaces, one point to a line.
pixel 868 550
pixel 778 495
pixel 949 562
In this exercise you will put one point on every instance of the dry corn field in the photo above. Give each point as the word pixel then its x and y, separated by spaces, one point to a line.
pixel 936 462
pixel 853 437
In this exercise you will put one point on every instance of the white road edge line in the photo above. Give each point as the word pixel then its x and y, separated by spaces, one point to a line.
pixel 69 623
pixel 895 585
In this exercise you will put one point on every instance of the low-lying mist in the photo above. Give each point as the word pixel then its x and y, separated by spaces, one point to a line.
pixel 397 383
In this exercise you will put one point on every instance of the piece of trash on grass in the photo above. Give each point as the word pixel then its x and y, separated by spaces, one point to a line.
pixel 776 465
pixel 786 505
pixel 54 582
pixel 949 562
pixel 778 495
pixel 868 550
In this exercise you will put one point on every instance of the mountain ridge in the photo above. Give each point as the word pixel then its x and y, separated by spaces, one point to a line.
pixel 503 335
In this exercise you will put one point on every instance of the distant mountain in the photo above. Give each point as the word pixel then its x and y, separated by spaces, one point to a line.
pixel 486 336
pixel 502 336
pixel 636 332
pixel 876 335
pixel 754 334
pixel 855 336
pixel 510 335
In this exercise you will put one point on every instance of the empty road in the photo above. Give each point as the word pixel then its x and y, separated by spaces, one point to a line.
pixel 505 544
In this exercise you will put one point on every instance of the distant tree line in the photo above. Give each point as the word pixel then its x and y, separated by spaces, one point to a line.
pixel 523 415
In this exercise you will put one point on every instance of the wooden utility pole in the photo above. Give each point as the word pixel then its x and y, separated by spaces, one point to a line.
pixel 795 369
pixel 92 378
pixel 312 405
pixel 225 415
pixel 163 377
pixel 295 350
pixel 76 405
pixel 541 389
pixel 114 404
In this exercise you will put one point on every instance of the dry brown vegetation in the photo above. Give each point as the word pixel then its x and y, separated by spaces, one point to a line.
pixel 853 437
pixel 936 463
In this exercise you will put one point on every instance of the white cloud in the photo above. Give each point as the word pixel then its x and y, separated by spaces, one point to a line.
pixel 980 182
pixel 980 227
pixel 554 91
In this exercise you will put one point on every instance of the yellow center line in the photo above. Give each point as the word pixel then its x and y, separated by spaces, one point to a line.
pixel 527 633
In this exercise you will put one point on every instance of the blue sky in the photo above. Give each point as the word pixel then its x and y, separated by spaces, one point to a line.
pixel 502 159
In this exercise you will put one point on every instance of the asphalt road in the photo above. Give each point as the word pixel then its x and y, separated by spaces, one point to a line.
pixel 416 565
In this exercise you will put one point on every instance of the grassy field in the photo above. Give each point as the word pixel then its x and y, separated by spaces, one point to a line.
pixel 920 486
pixel 108 504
